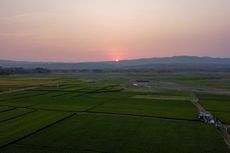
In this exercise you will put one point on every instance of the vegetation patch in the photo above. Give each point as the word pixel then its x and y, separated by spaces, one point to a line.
pixel 223 116
pixel 4 116
pixel 160 97
pixel 219 105
pixel 150 107
pixel 14 129
pixel 102 133
pixel 5 108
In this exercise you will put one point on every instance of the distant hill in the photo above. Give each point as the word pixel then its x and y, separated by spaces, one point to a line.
pixel 145 63
pixel 177 59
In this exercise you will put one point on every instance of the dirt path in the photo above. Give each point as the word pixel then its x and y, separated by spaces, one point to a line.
pixel 17 90
pixel 195 102
pixel 223 129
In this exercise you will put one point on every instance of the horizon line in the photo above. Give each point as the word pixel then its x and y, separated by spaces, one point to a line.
pixel 120 60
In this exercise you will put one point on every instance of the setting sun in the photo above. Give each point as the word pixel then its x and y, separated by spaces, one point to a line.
pixel 136 29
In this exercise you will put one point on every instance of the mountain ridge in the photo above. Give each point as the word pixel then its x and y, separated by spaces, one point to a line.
pixel 116 65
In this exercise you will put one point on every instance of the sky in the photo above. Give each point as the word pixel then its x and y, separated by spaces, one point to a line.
pixel 102 30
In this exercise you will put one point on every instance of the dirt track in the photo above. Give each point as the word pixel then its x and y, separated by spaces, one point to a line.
pixel 195 102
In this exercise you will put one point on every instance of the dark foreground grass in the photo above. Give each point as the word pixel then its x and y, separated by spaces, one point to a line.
pixel 4 116
pixel 111 134
pixel 223 116
pixel 4 108
pixel 14 129
pixel 150 107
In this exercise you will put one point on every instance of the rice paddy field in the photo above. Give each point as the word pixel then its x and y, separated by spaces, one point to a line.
pixel 219 105
pixel 83 114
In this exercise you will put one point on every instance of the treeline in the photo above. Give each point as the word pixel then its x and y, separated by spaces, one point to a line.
pixel 158 68
pixel 19 70
pixel 191 67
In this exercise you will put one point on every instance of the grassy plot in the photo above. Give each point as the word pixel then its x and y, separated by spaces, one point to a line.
pixel 11 83
pixel 14 129
pixel 70 103
pixel 4 116
pixel 223 116
pixel 161 97
pixel 219 105
pixel 67 101
pixel 28 98
pixel 5 108
pixel 170 93
pixel 180 109
pixel 10 96
pixel 211 80
pixel 215 102
pixel 113 134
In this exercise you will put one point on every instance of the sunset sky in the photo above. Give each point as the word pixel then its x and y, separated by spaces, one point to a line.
pixel 99 30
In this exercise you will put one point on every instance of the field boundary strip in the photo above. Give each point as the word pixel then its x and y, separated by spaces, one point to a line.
pixel 45 109
pixel 17 90
pixel 67 92
pixel 26 96
pixel 8 109
pixel 36 131
pixel 109 113
pixel 140 116
pixel 95 91
pixel 95 106
pixel 26 113
pixel 28 107
pixel 34 95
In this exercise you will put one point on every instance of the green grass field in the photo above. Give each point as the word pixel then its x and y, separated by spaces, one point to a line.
pixel 219 105
pixel 14 129
pixel 67 114
pixel 8 115
pixel 105 133
pixel 149 107
pixel 5 108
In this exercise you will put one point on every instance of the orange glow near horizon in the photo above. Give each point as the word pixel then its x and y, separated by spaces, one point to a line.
pixel 102 30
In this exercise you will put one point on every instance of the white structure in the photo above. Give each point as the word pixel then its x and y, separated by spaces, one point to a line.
pixel 206 117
